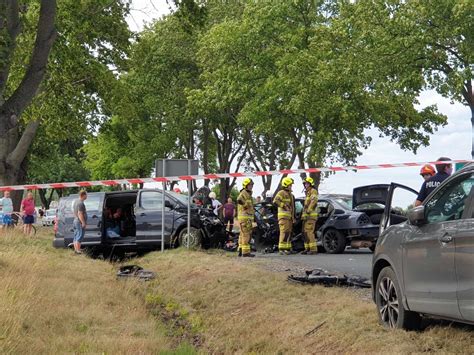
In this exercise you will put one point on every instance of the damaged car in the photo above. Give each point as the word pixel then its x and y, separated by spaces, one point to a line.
pixel 140 225
pixel 352 220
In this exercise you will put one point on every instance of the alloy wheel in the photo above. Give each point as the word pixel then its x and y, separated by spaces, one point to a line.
pixel 389 304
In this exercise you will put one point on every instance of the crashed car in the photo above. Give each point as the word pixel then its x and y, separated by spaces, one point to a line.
pixel 141 223
pixel 343 220
pixel 352 220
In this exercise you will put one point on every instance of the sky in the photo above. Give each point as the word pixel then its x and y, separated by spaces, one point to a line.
pixel 453 140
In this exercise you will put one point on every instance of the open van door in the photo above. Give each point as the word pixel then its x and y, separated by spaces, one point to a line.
pixel 393 214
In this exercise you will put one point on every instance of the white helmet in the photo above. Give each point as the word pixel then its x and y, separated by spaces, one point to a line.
pixel 212 195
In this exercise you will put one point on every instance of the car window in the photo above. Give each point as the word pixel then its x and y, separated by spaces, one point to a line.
pixel 447 204
pixel 298 206
pixel 92 202
pixel 346 203
pixel 323 208
pixel 151 200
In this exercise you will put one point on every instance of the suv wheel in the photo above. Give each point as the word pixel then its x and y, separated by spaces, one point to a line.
pixel 388 298
pixel 191 240
pixel 334 241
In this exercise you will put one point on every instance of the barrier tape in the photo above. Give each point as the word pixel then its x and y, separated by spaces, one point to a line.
pixel 63 185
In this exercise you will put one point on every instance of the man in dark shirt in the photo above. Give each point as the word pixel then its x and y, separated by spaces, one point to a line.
pixel 443 172
pixel 80 220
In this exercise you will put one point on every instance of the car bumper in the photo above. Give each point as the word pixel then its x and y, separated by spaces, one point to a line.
pixel 58 243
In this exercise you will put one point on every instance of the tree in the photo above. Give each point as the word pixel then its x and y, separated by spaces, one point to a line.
pixel 14 143
pixel 415 45
pixel 287 68
pixel 65 93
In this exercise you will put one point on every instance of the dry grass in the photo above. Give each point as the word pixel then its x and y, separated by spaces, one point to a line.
pixel 243 308
pixel 54 302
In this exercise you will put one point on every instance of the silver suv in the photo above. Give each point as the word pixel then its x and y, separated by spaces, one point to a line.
pixel 424 266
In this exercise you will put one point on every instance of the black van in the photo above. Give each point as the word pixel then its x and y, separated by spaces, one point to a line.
pixel 142 211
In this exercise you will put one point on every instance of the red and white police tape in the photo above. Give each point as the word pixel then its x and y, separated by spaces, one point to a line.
pixel 62 185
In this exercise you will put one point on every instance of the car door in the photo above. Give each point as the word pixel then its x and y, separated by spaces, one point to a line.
pixel 429 269
pixel 396 194
pixel 94 205
pixel 148 217
pixel 464 259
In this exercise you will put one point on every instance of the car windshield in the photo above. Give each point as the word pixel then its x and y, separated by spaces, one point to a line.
pixel 180 197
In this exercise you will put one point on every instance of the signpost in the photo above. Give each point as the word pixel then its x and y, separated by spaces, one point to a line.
pixel 175 167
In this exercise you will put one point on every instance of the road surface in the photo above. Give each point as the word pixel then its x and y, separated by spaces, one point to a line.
pixel 351 262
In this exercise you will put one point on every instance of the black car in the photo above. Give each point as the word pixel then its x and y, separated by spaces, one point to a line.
pixel 142 221
pixel 343 220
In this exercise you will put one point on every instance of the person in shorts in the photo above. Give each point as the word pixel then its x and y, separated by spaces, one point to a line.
pixel 7 209
pixel 28 212
pixel 80 221
pixel 229 213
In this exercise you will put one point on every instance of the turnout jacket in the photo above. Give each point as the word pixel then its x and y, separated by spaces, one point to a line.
pixel 285 201
pixel 245 206
pixel 310 204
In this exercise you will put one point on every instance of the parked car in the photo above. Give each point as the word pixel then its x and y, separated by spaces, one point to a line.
pixel 424 265
pixel 142 221
pixel 49 217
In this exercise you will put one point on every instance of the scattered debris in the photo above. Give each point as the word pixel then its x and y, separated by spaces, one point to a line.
pixel 312 331
pixel 323 277
pixel 128 271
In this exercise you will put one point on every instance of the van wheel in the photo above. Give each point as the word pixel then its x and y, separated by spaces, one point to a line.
pixel 388 298
pixel 334 241
pixel 191 240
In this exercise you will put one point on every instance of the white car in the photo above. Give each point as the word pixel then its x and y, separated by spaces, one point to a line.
pixel 49 217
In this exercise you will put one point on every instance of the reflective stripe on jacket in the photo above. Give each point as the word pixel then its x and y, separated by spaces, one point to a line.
pixel 245 209
pixel 310 204
pixel 285 202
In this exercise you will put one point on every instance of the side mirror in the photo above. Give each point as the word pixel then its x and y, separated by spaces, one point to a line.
pixel 338 211
pixel 169 204
pixel 416 216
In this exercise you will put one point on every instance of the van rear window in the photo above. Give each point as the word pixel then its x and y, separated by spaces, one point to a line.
pixel 92 202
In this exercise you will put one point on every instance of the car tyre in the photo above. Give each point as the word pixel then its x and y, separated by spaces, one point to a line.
pixel 334 242
pixel 193 240
pixel 388 297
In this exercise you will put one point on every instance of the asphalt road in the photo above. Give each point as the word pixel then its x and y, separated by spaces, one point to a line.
pixel 351 262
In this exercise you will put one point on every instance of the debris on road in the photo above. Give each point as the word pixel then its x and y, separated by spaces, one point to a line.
pixel 323 277
pixel 128 271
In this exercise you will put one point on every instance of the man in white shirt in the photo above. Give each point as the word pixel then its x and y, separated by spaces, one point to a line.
pixel 216 205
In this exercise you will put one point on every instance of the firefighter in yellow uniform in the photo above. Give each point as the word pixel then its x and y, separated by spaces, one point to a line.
pixel 285 201
pixel 310 216
pixel 245 215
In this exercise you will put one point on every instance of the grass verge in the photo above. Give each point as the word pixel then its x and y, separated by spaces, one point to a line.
pixel 54 302
pixel 240 307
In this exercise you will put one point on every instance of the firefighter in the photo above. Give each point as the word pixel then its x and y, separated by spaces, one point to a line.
pixel 310 216
pixel 245 215
pixel 285 201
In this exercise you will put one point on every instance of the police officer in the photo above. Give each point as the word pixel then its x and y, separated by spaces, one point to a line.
pixel 285 201
pixel 245 215
pixel 309 217
pixel 443 172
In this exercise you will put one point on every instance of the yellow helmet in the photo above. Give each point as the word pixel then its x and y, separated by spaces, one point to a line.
pixel 247 181
pixel 309 180
pixel 287 182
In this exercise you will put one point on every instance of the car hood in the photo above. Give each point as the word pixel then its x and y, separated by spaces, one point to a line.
pixel 370 194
